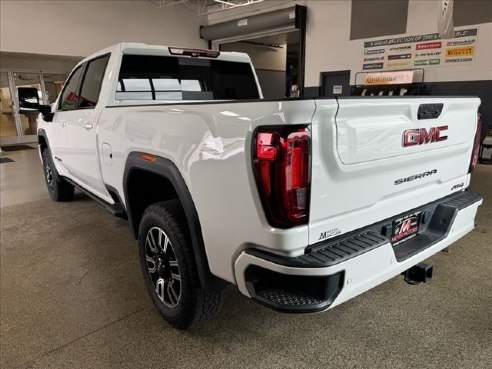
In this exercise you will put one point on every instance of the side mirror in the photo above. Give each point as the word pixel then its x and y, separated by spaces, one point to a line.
pixel 28 100
pixel 45 111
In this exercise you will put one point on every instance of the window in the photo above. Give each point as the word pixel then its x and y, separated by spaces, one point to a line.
pixel 91 87
pixel 70 98
pixel 146 77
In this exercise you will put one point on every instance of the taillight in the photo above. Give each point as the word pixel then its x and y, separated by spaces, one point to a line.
pixel 476 145
pixel 281 157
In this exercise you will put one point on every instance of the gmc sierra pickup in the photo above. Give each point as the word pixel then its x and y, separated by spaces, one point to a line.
pixel 302 204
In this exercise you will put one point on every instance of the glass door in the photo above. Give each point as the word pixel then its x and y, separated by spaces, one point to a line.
pixel 28 121
pixel 53 84
pixel 9 129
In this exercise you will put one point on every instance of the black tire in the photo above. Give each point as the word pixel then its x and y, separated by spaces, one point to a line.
pixel 58 188
pixel 194 303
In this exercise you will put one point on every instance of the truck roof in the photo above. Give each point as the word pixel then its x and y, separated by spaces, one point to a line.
pixel 162 50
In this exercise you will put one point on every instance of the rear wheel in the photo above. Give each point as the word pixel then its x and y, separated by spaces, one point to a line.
pixel 169 268
pixel 58 188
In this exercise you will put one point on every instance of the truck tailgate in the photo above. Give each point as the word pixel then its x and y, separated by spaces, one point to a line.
pixel 380 157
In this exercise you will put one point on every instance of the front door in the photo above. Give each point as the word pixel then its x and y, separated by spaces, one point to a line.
pixel 81 156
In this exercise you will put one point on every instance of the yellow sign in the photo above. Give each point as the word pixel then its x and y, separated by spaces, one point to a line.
pixel 452 52
pixel 388 78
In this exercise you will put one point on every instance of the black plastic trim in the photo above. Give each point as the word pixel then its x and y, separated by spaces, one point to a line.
pixel 435 226
pixel 295 294
pixel 429 111
pixel 165 168
pixel 114 209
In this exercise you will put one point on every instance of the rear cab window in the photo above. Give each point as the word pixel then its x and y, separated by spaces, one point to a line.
pixel 148 77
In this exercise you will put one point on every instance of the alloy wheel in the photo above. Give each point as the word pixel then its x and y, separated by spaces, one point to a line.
pixel 163 267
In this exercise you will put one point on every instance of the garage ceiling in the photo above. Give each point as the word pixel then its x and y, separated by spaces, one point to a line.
pixel 204 7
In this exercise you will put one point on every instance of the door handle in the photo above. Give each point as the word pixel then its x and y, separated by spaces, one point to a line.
pixel 63 124
pixel 88 126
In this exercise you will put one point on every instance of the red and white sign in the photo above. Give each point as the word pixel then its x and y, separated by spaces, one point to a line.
pixel 429 45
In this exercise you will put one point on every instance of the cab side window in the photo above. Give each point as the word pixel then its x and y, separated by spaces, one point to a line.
pixel 93 78
pixel 70 96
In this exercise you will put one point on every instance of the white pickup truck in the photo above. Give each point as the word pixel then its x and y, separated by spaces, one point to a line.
pixel 302 204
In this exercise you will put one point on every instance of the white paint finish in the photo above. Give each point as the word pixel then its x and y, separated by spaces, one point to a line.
pixel 78 28
pixel 367 270
pixel 328 45
pixel 211 146
pixel 372 130
pixel 365 186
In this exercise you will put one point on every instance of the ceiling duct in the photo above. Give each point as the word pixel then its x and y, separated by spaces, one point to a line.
pixel 284 19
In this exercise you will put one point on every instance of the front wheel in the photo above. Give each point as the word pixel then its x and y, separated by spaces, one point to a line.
pixel 58 188
pixel 169 268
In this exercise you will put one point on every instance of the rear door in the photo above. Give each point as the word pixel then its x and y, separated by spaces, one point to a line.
pixel 81 160
pixel 379 157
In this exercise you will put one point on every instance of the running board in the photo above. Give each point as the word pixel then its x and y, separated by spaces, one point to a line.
pixel 116 209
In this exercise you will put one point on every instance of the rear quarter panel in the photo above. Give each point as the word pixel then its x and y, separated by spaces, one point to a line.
pixel 211 146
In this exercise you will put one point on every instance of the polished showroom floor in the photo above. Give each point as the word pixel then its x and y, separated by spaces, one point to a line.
pixel 72 297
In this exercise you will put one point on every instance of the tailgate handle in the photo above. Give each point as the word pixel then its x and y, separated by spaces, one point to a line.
pixel 429 111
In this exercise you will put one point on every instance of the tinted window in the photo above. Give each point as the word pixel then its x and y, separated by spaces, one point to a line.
pixel 91 87
pixel 70 98
pixel 144 77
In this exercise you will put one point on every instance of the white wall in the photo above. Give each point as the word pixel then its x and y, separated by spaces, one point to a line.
pixel 47 64
pixel 274 59
pixel 79 28
pixel 328 45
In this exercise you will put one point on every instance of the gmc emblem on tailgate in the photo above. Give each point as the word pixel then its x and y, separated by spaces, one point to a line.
pixel 420 136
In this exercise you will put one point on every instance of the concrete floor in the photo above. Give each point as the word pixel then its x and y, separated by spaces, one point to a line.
pixel 72 297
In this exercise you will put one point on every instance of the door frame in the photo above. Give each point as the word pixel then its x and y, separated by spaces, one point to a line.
pixel 20 138
pixel 12 140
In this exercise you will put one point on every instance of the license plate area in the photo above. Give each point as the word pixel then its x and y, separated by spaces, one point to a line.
pixel 405 228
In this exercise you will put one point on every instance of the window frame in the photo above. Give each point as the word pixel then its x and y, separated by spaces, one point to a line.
pixel 59 104
pixel 86 67
pixel 209 86
pixel 81 81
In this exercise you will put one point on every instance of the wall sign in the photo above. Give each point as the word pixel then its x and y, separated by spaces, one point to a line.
pixel 388 78
pixel 420 51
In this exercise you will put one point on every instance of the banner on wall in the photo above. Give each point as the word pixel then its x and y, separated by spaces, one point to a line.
pixel 388 78
pixel 420 51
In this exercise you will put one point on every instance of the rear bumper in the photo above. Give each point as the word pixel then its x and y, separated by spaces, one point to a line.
pixel 335 271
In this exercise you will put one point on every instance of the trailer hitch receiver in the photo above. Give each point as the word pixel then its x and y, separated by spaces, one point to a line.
pixel 418 273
